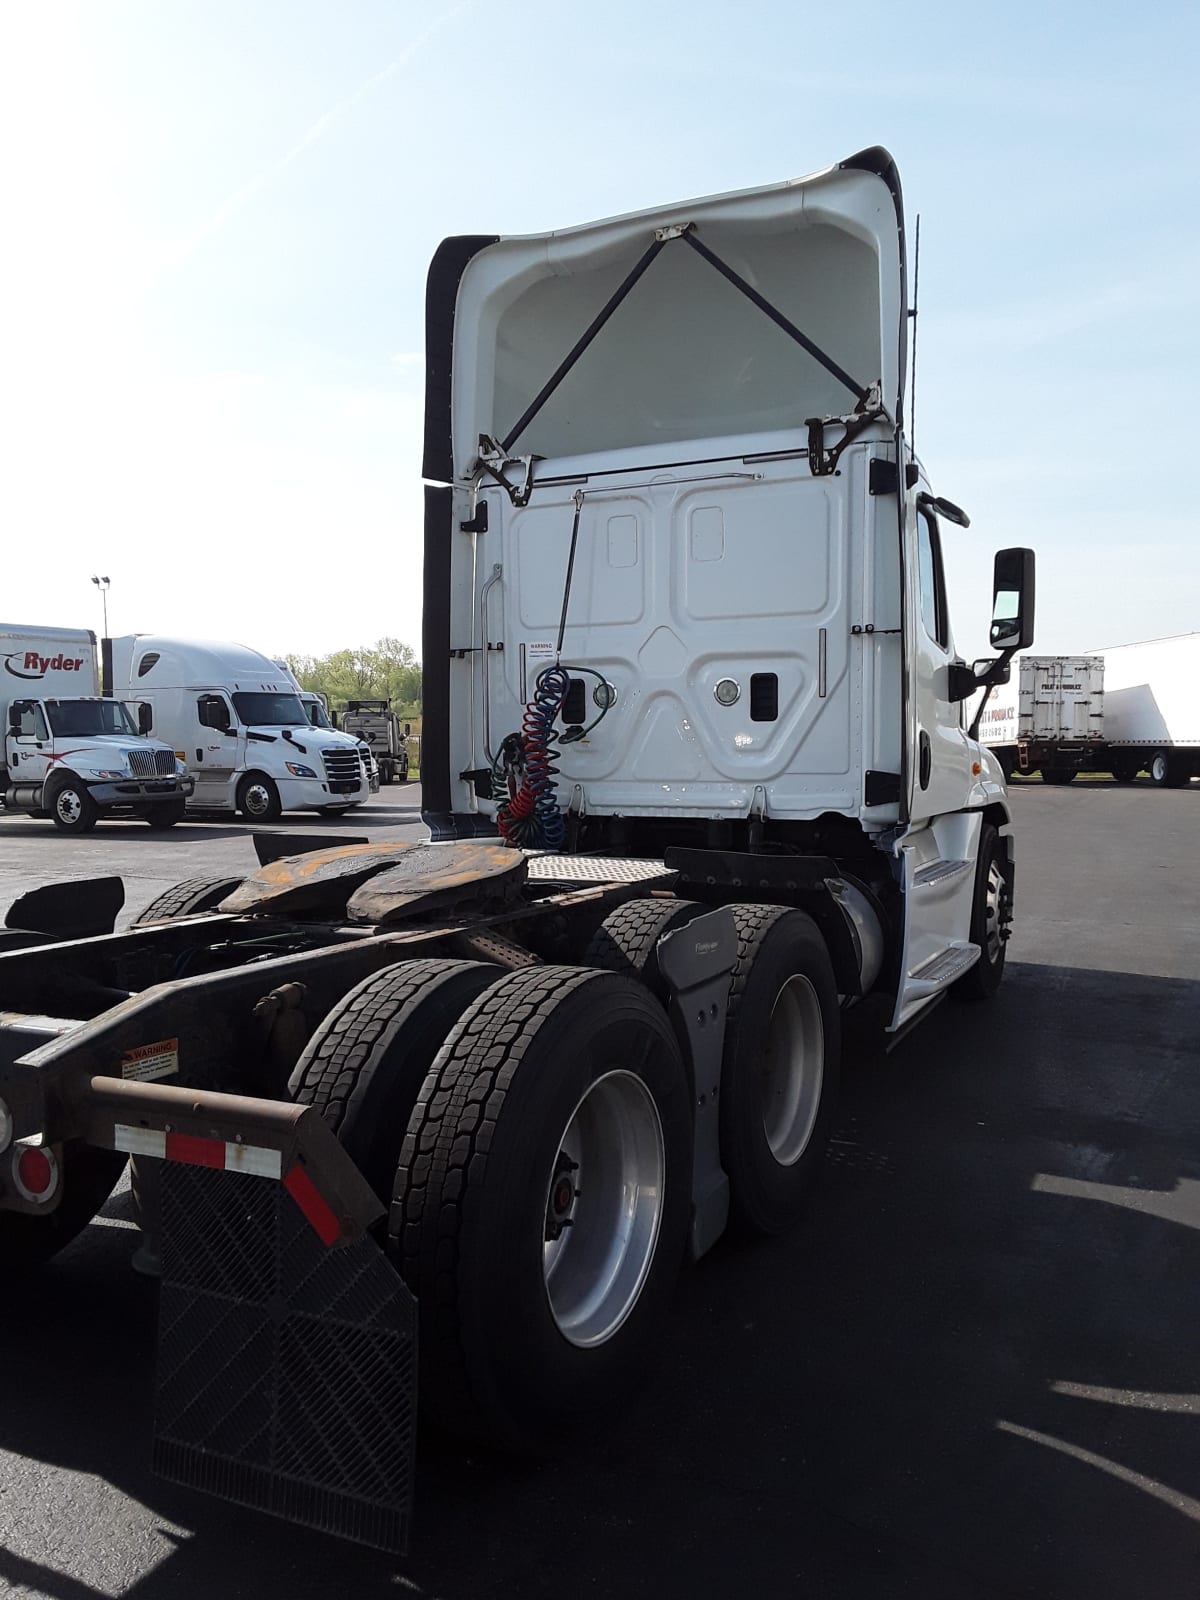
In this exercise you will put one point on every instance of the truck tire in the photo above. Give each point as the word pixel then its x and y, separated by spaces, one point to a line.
pixel 89 1176
pixel 1166 770
pixel 165 816
pixel 1008 763
pixel 987 920
pixel 1057 776
pixel 542 1202
pixel 627 940
pixel 780 1067
pixel 1125 768
pixel 71 807
pixel 365 1064
pixel 186 899
pixel 258 798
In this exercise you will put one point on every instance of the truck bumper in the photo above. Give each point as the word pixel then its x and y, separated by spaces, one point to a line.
pixel 314 794
pixel 141 791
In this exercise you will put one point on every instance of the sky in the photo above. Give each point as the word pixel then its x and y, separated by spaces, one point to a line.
pixel 218 215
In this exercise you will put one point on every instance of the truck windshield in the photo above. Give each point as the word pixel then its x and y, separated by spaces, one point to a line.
pixel 316 715
pixel 270 710
pixel 83 719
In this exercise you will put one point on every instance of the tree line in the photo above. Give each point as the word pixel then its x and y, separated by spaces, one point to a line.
pixel 386 670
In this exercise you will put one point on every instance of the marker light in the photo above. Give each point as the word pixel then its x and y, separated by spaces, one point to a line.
pixel 35 1172
pixel 728 692
pixel 6 1127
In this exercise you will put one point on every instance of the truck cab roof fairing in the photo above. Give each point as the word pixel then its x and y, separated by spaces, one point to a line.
pixel 686 355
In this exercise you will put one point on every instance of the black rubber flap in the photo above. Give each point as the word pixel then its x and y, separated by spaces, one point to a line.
pixel 81 908
pixel 286 1370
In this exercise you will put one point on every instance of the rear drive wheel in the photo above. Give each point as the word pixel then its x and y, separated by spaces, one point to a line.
pixel 186 899
pixel 989 919
pixel 89 1176
pixel 1166 770
pixel 1058 776
pixel 542 1202
pixel 258 798
pixel 71 807
pixel 627 940
pixel 779 1071
pixel 166 816
pixel 365 1064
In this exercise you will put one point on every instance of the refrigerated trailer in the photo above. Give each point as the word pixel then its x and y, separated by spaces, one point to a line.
pixel 444 1119
pixel 1048 718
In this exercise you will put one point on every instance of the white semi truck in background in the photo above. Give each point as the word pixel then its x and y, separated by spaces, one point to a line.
pixel 236 718
pixel 70 754
pixel 698 782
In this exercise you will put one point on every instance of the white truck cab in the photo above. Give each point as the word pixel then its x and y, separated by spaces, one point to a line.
pixel 684 592
pixel 236 717
pixel 69 753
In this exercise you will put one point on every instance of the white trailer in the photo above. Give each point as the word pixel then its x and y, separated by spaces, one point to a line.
pixel 237 719
pixel 1048 718
pixel 1152 709
pixel 69 753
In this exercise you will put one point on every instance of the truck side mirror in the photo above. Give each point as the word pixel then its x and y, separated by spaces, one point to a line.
pixel 407 729
pixel 145 717
pixel 987 667
pixel 14 719
pixel 1012 600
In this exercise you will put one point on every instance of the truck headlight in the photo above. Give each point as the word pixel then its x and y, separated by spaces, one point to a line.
pixel 299 770
pixel 180 769
pixel 96 772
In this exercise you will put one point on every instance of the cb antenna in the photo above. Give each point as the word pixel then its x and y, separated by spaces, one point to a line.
pixel 912 393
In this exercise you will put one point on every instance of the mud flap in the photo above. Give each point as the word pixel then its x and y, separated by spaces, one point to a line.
pixel 286 1365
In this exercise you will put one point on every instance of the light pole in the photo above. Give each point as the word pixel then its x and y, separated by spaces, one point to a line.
pixel 103 585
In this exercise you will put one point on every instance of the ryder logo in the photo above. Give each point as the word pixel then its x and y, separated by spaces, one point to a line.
pixel 28 664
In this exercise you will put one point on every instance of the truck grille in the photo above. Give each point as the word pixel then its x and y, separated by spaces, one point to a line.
pixel 343 770
pixel 151 763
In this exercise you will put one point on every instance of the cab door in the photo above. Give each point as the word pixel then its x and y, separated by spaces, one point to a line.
pixel 27 743
pixel 215 751
pixel 938 754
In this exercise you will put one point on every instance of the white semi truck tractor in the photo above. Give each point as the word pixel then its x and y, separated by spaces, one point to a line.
pixel 69 753
pixel 236 717
pixel 698 782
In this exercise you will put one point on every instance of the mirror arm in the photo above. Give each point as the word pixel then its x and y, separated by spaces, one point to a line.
pixel 989 680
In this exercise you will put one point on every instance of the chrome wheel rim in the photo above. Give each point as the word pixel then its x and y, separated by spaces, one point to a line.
pixel 793 1070
pixel 993 901
pixel 69 806
pixel 258 800
pixel 603 1209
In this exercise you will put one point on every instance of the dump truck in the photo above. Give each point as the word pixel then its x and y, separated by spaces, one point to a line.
pixel 374 722
pixel 436 1124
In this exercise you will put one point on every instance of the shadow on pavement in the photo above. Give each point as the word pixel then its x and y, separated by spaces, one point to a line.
pixel 971 1372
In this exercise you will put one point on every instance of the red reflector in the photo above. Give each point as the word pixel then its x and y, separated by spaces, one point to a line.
pixel 195 1152
pixel 35 1170
pixel 313 1204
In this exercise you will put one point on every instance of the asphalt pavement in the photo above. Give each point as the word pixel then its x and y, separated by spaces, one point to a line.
pixel 973 1370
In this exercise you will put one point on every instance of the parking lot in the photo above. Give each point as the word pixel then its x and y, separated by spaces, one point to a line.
pixel 973 1371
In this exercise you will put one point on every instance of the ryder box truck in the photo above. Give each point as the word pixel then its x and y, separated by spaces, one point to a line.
pixel 69 753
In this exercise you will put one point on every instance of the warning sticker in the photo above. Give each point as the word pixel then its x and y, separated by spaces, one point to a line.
pixel 539 650
pixel 151 1061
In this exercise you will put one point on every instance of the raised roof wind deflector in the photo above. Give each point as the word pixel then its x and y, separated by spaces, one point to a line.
pixel 680 360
